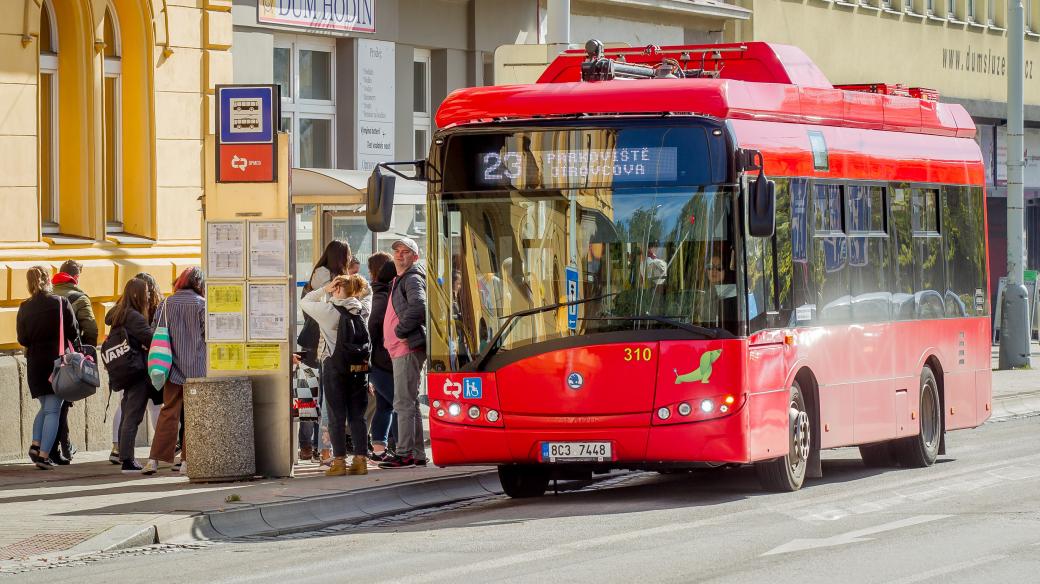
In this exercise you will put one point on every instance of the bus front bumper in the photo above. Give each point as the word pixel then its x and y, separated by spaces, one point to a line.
pixel 720 440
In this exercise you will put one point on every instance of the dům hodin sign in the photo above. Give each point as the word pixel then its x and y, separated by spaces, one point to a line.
pixel 344 15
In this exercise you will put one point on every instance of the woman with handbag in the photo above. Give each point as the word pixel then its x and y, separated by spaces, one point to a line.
pixel 183 315
pixel 43 322
pixel 124 354
pixel 154 403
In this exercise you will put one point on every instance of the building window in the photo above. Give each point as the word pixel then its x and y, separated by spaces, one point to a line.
pixel 305 68
pixel 48 107
pixel 970 10
pixel 422 106
pixel 991 12
pixel 929 7
pixel 951 9
pixel 113 153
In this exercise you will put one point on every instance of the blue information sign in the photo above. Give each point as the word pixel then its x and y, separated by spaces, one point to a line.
pixel 472 388
pixel 572 295
pixel 247 114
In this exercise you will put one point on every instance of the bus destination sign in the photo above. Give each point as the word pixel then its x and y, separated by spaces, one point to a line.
pixel 559 168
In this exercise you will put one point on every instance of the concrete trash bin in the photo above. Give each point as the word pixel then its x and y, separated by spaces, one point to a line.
pixel 218 429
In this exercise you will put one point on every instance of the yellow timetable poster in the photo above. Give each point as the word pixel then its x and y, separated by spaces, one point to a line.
pixel 263 356
pixel 225 298
pixel 227 357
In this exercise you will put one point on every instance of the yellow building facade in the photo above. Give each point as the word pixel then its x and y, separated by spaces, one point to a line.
pixel 104 106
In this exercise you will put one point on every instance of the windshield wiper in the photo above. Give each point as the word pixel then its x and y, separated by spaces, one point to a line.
pixel 711 333
pixel 495 344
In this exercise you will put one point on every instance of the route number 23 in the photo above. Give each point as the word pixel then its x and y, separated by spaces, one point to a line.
pixel 638 354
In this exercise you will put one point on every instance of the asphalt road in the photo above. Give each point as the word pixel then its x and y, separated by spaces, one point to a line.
pixel 973 517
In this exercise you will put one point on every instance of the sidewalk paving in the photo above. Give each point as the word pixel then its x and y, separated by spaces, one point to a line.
pixel 90 506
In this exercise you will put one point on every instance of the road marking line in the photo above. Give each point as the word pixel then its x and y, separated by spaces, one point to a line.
pixel 947 570
pixel 797 545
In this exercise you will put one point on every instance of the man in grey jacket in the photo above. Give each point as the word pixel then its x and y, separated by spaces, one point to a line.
pixel 404 336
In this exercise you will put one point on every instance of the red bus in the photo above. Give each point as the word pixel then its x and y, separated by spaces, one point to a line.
pixel 674 257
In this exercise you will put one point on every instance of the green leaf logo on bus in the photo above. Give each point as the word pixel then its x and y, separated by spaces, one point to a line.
pixel 702 373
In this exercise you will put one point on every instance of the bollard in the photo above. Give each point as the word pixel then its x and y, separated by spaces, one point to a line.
pixel 1014 328
pixel 218 429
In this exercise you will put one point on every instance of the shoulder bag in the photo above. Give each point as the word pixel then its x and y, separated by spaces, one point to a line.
pixel 75 375
pixel 160 355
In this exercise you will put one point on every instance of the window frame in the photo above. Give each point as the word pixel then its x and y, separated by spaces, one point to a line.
pixel 48 65
pixel 112 68
pixel 422 121
pixel 294 107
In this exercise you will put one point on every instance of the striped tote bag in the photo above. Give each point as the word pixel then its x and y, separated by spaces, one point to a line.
pixel 160 355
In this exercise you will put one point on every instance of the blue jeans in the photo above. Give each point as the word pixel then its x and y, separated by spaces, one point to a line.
pixel 384 422
pixel 45 426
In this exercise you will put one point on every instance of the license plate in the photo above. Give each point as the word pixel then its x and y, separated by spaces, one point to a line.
pixel 571 451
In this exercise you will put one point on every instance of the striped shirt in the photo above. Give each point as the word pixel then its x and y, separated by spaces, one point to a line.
pixel 185 315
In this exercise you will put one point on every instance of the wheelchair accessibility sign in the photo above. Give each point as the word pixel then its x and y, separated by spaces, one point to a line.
pixel 472 388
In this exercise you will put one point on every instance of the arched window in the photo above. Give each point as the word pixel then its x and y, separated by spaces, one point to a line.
pixel 48 108
pixel 112 96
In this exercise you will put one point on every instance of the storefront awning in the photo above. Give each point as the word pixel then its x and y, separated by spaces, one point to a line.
pixel 336 186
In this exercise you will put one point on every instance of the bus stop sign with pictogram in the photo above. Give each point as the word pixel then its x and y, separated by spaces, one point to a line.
pixel 246 144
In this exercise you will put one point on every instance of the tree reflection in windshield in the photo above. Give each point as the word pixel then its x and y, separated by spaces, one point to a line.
pixel 657 252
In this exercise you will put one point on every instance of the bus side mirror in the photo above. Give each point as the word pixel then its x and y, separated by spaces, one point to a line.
pixel 762 207
pixel 379 204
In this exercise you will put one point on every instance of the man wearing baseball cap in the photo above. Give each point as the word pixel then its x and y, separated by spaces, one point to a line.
pixel 404 336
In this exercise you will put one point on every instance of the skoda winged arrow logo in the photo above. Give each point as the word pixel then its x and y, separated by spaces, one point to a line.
pixel 575 380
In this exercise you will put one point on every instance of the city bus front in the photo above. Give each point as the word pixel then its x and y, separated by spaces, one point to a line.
pixel 586 297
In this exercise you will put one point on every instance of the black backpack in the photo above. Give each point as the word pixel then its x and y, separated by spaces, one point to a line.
pixel 123 360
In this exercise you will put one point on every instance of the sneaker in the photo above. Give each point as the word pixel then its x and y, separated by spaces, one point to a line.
pixel 44 463
pixel 150 467
pixel 184 468
pixel 131 467
pixel 398 462
pixel 380 456
pixel 61 460
pixel 113 457
pixel 358 466
pixel 338 468
pixel 176 466
pixel 420 462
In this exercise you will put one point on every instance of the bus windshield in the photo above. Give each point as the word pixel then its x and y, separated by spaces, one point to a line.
pixel 633 257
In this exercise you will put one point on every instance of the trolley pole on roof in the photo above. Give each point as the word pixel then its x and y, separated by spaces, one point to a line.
pixel 1014 325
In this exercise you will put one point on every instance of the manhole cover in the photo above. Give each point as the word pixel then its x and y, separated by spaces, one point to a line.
pixel 42 544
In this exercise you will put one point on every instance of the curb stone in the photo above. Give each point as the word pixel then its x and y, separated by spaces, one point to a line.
pixel 313 513
pixel 1016 405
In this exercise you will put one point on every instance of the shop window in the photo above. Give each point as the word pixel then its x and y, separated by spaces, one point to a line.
pixel 422 106
pixel 48 107
pixel 305 67
pixel 113 183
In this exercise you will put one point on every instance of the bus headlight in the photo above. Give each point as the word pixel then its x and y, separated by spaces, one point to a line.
pixel 454 409
pixel 664 413
pixel 473 412
pixel 492 416
pixel 684 409
pixel 707 406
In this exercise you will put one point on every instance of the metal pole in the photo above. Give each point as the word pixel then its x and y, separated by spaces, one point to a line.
pixel 1014 326
pixel 558 26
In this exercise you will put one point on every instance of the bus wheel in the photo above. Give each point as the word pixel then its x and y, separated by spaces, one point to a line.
pixel 877 455
pixel 921 450
pixel 787 473
pixel 521 482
